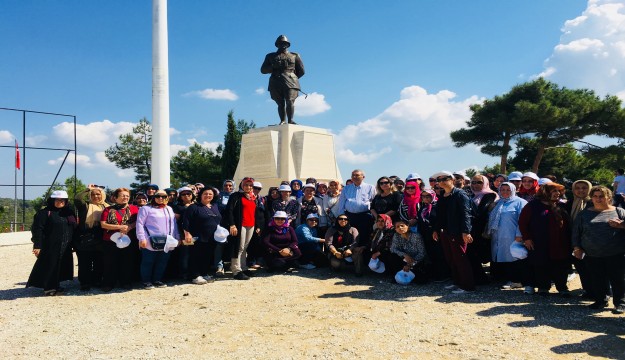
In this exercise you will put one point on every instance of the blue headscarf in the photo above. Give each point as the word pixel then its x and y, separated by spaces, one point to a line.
pixel 495 214
pixel 299 193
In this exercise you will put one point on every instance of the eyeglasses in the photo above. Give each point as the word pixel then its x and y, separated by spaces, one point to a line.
pixel 384 182
pixel 477 182
pixel 342 219
pixel 160 196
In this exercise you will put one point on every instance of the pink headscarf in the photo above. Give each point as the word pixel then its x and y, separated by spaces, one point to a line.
pixel 426 209
pixel 412 200
pixel 485 190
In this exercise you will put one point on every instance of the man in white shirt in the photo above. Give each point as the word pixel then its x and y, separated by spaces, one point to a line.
pixel 619 188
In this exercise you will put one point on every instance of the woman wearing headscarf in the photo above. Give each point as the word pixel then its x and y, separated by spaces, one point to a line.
pixel 287 204
pixel 503 228
pixel 178 264
pixel 499 179
pixel 281 244
pixel 52 231
pixel 581 200
pixel 200 221
pixel 544 226
pixel 119 264
pixel 479 250
pixel 426 217
pixel 88 236
pixel 296 189
pixel 241 219
pixel 381 241
pixel 155 220
pixel 599 239
pixel 341 240
pixel 529 186
pixel 408 206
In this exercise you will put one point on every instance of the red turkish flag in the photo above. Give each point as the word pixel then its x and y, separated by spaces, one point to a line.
pixel 17 156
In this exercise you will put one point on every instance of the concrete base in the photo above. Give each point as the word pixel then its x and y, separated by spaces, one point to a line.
pixel 286 152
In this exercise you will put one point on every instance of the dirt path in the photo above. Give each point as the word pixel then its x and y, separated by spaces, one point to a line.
pixel 309 314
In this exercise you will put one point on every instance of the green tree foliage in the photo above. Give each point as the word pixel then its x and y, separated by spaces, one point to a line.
pixel 68 185
pixel 232 144
pixel 196 164
pixel 133 151
pixel 554 115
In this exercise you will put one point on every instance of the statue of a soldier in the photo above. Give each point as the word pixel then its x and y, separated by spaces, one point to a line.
pixel 285 68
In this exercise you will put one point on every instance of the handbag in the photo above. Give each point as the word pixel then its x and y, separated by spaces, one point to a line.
pixel 158 242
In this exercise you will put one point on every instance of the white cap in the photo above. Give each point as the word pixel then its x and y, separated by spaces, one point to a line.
pixel 284 188
pixel 543 181
pixel 184 188
pixel 257 184
pixel 221 234
pixel 120 240
pixel 312 216
pixel 280 214
pixel 377 266
pixel 443 173
pixel 170 244
pixel 59 194
pixel 312 186
pixel 515 176
pixel 531 175
pixel 404 277
pixel 413 176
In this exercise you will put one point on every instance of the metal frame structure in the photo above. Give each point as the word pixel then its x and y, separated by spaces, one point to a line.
pixel 23 156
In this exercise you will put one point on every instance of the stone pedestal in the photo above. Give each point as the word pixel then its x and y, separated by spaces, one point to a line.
pixel 286 152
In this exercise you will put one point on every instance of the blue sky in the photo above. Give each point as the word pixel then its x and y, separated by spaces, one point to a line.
pixel 390 79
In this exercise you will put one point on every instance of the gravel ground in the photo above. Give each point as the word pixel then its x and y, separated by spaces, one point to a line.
pixel 306 314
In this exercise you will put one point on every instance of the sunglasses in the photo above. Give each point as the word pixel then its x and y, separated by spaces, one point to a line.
pixel 279 219
pixel 442 179
pixel 257 188
pixel 161 196
pixel 477 182
pixel 432 180
pixel 186 194
pixel 342 219
pixel 410 188
pixel 315 220
pixel 384 182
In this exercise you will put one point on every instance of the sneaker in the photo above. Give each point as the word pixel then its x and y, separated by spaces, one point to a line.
pixel 220 273
pixel 199 281
pixel 241 276
pixel 50 292
pixel 528 290
pixel 459 291
pixel 597 305
pixel 148 286
pixel 451 287
pixel 209 279
pixel 619 309
pixel 308 266
pixel 511 285
pixel 160 284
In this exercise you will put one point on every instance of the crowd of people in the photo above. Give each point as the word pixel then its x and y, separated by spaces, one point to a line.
pixel 441 229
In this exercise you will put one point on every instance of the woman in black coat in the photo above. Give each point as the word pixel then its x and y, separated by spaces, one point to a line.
pixel 52 230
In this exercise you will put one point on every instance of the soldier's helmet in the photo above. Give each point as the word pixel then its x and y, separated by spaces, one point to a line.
pixel 281 39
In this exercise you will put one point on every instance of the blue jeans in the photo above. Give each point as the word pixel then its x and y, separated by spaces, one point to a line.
pixel 153 265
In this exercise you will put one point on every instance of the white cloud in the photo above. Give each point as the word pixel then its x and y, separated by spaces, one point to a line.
pixel 97 135
pixel 83 161
pixel 173 132
pixel 212 145
pixel 312 104
pixel 6 138
pixel 418 121
pixel 102 161
pixel 591 52
pixel 35 140
pixel 174 148
pixel 260 91
pixel 214 94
